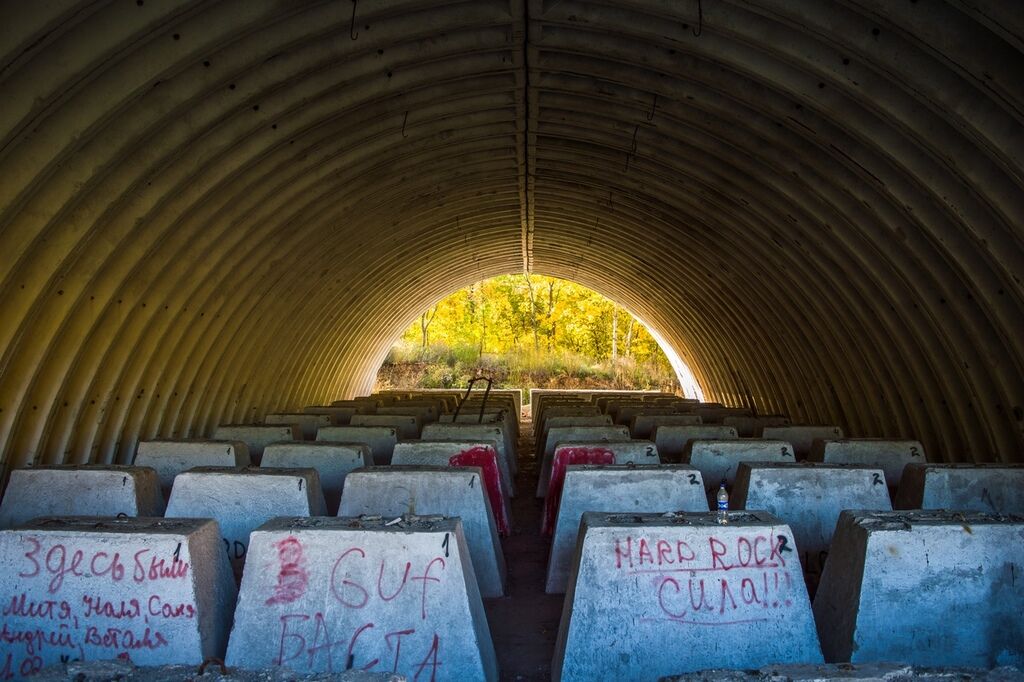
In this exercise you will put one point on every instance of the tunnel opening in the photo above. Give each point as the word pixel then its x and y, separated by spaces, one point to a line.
pixel 530 331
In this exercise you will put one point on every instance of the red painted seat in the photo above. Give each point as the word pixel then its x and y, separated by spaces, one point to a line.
pixel 563 458
pixel 487 460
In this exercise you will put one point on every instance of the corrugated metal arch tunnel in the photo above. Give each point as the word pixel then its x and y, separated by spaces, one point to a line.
pixel 210 210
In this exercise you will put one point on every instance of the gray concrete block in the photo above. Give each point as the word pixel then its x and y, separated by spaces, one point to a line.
pixel 716 415
pixel 340 416
pixel 335 594
pixel 80 490
pixel 307 423
pixel 440 453
pixel 643 425
pixel 541 433
pixel 652 595
pixel 478 432
pixel 380 439
pixel 123 671
pixel 425 413
pixel 750 427
pixel 672 440
pixel 613 489
pixel 802 437
pixel 401 490
pixel 626 415
pixel 360 406
pixel 719 459
pixel 406 426
pixel 332 461
pixel 557 435
pixel 809 498
pixel 503 417
pixel 635 452
pixel 157 590
pixel 170 457
pixel 931 588
pixel 239 500
pixel 256 437
pixel 976 487
pixel 888 455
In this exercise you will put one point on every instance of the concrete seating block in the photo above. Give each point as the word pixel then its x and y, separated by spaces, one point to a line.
pixel 672 440
pixel 479 432
pixel 661 594
pixel 802 437
pixel 425 413
pixel 154 591
pixel 718 459
pixel 80 490
pixel 340 416
pixel 809 498
pixel 380 439
pixel 750 427
pixel 888 455
pixel 629 452
pixel 935 588
pixel 643 425
pixel 256 437
pixel 977 487
pixel 502 417
pixel 307 423
pixel 239 500
pixel 407 427
pixel 482 454
pixel 716 415
pixel 626 415
pixel 170 457
pixel 612 489
pixel 558 435
pixel 423 490
pixel 351 593
pixel 332 461
pixel 360 406
pixel 563 421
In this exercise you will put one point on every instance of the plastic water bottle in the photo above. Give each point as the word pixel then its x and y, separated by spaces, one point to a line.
pixel 723 504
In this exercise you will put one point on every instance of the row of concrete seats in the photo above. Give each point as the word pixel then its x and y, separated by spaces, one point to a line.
pixel 652 595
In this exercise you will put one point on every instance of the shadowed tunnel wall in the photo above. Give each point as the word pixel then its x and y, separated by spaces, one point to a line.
pixel 212 210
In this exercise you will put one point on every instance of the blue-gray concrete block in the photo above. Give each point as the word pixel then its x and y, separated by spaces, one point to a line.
pixel 672 440
pixel 401 490
pixel 308 423
pixel 406 426
pixel 749 427
pixel 80 490
pixel 332 461
pixel 329 595
pixel 438 452
pixel 380 439
pixel 478 432
pixel 256 437
pixel 643 425
pixel 809 498
pixel 558 435
pixel 888 455
pixel 239 500
pixel 340 416
pixel 976 487
pixel 541 434
pixel 425 413
pixel 932 588
pixel 719 459
pixel 653 594
pixel 616 489
pixel 157 590
pixel 170 457
pixel 802 437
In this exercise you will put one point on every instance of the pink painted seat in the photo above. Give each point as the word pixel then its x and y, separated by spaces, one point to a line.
pixel 487 460
pixel 564 457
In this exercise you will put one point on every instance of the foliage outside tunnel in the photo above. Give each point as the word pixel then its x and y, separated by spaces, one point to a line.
pixel 527 331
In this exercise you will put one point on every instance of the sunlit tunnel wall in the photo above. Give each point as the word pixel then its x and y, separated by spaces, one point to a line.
pixel 213 210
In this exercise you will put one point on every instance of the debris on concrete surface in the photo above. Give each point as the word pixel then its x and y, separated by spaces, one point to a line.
pixel 868 672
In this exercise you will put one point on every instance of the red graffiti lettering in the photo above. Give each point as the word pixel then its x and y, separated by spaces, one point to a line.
pixel 362 597
pixel 292 577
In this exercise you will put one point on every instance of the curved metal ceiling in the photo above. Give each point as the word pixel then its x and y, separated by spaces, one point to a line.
pixel 211 209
